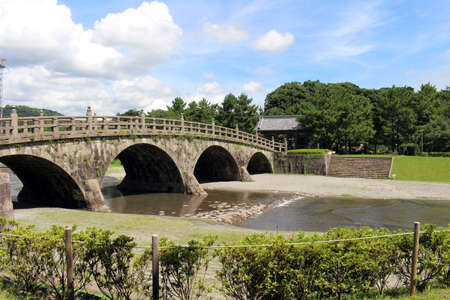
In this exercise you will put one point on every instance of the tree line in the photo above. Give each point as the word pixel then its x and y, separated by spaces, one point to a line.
pixel 337 116
pixel 342 116
pixel 234 110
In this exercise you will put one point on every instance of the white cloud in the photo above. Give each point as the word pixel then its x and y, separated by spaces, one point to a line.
pixel 147 32
pixel 211 91
pixel 348 38
pixel 273 41
pixel 253 87
pixel 225 33
pixel 43 33
pixel 54 62
pixel 146 93
pixel 38 87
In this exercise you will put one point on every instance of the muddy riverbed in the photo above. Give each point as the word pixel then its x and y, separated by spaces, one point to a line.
pixel 290 202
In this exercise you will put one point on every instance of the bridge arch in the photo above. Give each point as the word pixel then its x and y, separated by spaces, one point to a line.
pixel 216 164
pixel 259 164
pixel 44 182
pixel 149 169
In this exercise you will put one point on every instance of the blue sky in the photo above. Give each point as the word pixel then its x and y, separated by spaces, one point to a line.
pixel 116 55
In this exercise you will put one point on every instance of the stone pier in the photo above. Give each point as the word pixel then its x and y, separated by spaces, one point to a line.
pixel 6 206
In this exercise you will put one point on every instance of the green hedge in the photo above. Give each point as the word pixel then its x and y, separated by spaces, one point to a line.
pixel 277 270
pixel 308 151
pixel 439 154
pixel 283 271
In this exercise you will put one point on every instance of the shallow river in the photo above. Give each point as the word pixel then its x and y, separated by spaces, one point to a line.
pixel 309 214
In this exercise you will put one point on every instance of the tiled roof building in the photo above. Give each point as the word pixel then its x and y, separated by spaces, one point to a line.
pixel 281 127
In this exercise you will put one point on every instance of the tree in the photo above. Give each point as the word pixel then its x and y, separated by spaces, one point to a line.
pixel 178 106
pixel 27 111
pixel 397 115
pixel 287 98
pixel 204 111
pixel 131 113
pixel 437 131
pixel 238 111
pixel 334 118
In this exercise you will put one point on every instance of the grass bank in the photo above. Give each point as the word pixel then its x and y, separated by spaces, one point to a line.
pixel 141 227
pixel 418 168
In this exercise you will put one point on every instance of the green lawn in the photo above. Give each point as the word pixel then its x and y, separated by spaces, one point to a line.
pixel 115 163
pixel 363 155
pixel 417 168
pixel 141 227
pixel 420 168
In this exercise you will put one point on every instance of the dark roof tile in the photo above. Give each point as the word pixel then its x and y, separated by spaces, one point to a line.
pixel 278 123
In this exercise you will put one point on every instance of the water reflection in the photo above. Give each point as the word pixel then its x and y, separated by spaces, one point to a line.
pixel 180 204
pixel 322 214
pixel 309 214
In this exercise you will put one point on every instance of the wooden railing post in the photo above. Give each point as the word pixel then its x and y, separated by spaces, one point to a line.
pixel 155 266
pixel 89 119
pixel 237 131
pixel 415 255
pixel 213 127
pixel 273 142
pixel 14 123
pixel 69 263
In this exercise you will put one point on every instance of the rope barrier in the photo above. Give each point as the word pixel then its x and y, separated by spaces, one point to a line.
pixel 294 244
pixel 269 245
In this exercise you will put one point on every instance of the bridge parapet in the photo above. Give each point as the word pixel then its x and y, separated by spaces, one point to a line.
pixel 17 129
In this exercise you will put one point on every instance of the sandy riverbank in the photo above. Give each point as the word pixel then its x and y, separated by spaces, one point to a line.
pixel 322 186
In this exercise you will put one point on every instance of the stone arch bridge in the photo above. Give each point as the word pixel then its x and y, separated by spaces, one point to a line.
pixel 62 160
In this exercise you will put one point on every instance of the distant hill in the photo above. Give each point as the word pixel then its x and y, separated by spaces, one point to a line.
pixel 26 111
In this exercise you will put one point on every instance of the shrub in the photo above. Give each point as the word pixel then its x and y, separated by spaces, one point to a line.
pixel 332 269
pixel 434 257
pixel 308 151
pixel 37 259
pixel 408 149
pixel 439 154
pixel 181 268
pixel 109 261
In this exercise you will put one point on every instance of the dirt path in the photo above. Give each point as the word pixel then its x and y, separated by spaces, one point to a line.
pixel 322 186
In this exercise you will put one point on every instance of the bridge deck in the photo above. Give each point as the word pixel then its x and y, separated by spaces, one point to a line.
pixel 16 129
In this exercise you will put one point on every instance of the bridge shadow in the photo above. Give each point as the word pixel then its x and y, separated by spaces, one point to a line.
pixel 45 184
pixel 149 169
pixel 259 164
pixel 216 164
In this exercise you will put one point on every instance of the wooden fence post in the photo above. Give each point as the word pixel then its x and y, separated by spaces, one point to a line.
pixel 414 259
pixel 69 263
pixel 213 124
pixel 155 266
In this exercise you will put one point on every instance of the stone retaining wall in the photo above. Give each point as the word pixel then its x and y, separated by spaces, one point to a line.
pixel 301 164
pixel 362 167
pixel 328 165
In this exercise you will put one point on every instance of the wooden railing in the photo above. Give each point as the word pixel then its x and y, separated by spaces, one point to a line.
pixel 30 129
